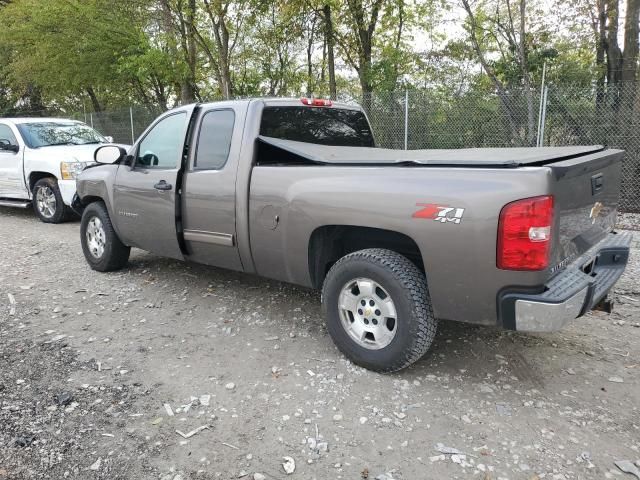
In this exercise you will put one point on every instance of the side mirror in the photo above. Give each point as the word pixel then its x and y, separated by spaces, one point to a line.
pixel 109 154
pixel 8 147
pixel 109 139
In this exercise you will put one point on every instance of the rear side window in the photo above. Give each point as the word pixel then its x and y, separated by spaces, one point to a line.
pixel 214 139
pixel 322 125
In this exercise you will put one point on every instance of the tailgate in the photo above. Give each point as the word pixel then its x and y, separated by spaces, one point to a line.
pixel 586 190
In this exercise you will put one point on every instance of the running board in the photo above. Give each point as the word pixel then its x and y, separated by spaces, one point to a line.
pixel 15 203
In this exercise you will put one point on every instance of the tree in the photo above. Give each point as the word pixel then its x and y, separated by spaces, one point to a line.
pixel 329 40
pixel 507 32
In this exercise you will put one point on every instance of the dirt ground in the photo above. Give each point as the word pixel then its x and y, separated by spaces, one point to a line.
pixel 88 362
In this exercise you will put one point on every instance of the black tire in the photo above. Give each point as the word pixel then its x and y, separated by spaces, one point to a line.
pixel 406 285
pixel 61 212
pixel 115 254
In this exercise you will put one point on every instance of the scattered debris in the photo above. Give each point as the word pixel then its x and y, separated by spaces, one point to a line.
pixel 447 450
pixel 628 467
pixel 503 410
pixel 12 304
pixel 616 379
pixel 64 398
pixel 192 432
pixel 289 465
pixel 386 476
pixel 24 440
pixel 258 476
pixel 168 409
pixel 230 446
pixel 95 466
pixel 230 386
pixel 204 400
pixel 55 339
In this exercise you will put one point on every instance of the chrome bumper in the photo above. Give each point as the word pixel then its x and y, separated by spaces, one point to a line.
pixel 571 293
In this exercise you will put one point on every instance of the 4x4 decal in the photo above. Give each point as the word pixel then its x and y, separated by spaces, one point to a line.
pixel 439 213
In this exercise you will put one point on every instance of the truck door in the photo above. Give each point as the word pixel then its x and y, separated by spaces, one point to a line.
pixel 145 192
pixel 11 174
pixel 209 198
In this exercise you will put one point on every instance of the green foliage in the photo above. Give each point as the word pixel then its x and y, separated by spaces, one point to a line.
pixel 70 53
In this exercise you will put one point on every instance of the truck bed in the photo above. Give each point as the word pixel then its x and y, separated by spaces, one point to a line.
pixel 468 157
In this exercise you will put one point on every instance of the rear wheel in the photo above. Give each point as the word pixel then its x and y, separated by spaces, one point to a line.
pixel 101 246
pixel 378 310
pixel 47 202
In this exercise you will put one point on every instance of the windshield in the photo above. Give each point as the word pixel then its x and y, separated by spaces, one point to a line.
pixel 46 134
pixel 325 126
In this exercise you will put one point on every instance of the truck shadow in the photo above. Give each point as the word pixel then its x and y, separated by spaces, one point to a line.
pixel 457 349
pixel 27 214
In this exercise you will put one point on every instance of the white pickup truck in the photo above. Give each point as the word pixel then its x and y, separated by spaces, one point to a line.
pixel 39 161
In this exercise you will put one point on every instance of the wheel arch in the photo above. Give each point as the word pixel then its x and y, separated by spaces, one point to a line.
pixel 328 243
pixel 37 175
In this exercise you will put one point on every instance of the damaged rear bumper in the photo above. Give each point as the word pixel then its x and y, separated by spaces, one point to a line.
pixel 571 293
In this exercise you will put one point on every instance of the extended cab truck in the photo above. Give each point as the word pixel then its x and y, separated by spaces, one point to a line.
pixel 39 161
pixel 522 238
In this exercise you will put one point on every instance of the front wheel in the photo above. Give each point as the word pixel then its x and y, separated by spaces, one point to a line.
pixel 378 309
pixel 101 246
pixel 47 201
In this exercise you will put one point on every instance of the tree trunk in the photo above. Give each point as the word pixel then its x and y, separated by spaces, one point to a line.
pixel 364 74
pixel 526 80
pixel 94 100
pixel 221 35
pixel 310 81
pixel 631 38
pixel 189 84
pixel 601 45
pixel 330 41
pixel 502 94
pixel 614 55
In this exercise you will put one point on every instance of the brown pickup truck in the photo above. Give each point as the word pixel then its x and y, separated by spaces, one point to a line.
pixel 522 238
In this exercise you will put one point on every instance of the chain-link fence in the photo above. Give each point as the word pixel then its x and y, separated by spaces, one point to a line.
pixel 124 125
pixel 554 116
pixel 416 119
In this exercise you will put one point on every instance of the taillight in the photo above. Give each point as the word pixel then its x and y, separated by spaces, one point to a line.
pixel 316 102
pixel 524 234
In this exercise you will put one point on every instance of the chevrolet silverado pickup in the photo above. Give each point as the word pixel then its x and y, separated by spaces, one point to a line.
pixel 39 161
pixel 296 190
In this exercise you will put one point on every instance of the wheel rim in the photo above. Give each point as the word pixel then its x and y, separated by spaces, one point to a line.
pixel 96 237
pixel 367 313
pixel 46 201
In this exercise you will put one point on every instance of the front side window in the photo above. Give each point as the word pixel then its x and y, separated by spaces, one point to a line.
pixel 162 147
pixel 47 134
pixel 6 136
pixel 214 140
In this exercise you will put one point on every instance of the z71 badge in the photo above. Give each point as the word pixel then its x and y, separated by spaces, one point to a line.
pixel 439 213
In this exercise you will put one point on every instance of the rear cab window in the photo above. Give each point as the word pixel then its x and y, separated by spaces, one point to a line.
pixel 322 125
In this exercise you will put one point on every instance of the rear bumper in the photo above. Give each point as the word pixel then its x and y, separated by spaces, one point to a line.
pixel 571 293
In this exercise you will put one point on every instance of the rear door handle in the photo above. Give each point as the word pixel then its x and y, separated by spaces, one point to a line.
pixel 163 185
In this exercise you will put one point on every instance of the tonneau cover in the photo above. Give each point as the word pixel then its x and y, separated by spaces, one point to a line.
pixel 475 157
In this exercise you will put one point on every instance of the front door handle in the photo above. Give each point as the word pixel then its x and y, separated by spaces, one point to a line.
pixel 162 185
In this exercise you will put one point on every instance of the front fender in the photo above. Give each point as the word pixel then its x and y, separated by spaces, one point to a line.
pixel 97 183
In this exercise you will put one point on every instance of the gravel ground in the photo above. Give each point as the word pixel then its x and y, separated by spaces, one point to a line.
pixel 98 372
